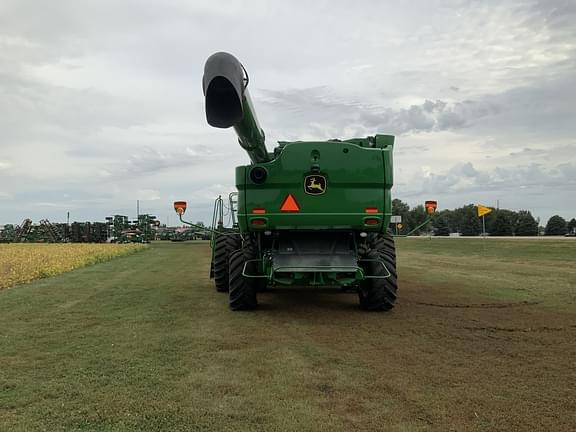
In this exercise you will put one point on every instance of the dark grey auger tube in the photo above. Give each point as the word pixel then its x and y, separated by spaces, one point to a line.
pixel 228 103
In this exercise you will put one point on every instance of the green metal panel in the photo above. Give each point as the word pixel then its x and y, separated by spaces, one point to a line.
pixel 250 135
pixel 240 185
pixel 358 175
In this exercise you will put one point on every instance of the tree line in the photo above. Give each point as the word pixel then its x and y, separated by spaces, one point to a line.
pixel 465 220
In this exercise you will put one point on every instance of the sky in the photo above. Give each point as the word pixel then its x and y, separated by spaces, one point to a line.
pixel 101 101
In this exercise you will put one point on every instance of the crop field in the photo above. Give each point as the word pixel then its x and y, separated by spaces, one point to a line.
pixel 22 262
pixel 482 339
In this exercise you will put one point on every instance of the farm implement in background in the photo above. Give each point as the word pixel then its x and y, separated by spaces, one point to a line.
pixel 44 231
pixel 141 230
pixel 116 229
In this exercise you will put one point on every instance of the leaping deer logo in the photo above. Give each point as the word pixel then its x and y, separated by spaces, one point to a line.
pixel 315 184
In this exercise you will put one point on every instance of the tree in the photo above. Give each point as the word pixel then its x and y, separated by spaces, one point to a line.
pixel 400 208
pixel 460 219
pixel 448 216
pixel 470 223
pixel 470 227
pixel 572 226
pixel 417 216
pixel 556 226
pixel 527 225
pixel 501 223
pixel 441 227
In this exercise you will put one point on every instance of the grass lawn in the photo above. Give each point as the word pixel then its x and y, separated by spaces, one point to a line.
pixel 143 342
pixel 539 270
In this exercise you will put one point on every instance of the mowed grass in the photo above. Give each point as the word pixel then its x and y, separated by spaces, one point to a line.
pixel 536 270
pixel 144 342
pixel 24 262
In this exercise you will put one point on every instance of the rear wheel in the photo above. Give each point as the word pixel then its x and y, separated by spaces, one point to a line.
pixel 224 245
pixel 242 290
pixel 378 294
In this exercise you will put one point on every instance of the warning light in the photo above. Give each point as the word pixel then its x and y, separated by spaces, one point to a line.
pixel 290 204
pixel 430 206
pixel 180 207
pixel 258 222
pixel 371 210
pixel 259 211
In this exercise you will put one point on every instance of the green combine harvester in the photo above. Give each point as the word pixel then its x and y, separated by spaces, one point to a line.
pixel 311 213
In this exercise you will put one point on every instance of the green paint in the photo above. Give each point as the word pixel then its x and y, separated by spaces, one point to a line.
pixel 250 135
pixel 358 175
pixel 340 186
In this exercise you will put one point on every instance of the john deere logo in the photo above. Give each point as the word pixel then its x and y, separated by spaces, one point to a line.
pixel 315 184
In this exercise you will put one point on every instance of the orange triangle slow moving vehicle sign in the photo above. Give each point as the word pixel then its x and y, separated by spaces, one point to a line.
pixel 290 204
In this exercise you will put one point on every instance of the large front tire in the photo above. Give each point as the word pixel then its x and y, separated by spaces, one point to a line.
pixel 224 246
pixel 378 294
pixel 243 290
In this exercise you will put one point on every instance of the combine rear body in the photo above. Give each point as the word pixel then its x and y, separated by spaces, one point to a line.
pixel 309 213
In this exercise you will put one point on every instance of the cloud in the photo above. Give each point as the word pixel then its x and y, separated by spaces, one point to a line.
pixel 102 100
pixel 46 204
pixel 465 177
pixel 33 109
pixel 148 195
pixel 149 160
pixel 309 108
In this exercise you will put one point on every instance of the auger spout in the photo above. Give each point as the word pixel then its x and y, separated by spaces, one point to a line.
pixel 228 103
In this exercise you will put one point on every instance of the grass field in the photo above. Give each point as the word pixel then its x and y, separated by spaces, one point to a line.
pixel 479 341
pixel 540 270
pixel 24 262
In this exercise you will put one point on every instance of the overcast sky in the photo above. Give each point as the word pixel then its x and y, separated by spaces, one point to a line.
pixel 101 101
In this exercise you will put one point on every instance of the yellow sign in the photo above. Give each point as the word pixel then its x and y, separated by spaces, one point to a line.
pixel 483 210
